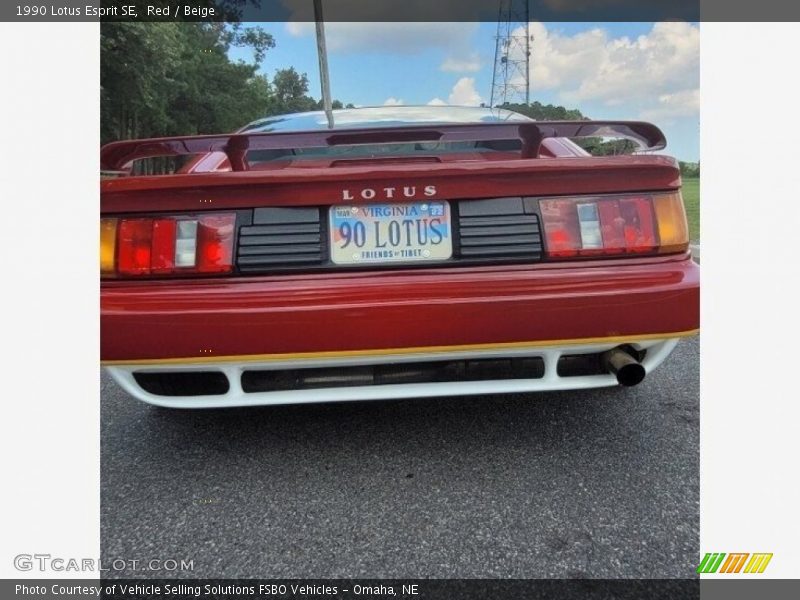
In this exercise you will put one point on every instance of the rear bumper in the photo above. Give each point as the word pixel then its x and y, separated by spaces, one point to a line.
pixel 236 395
pixel 265 318
pixel 358 316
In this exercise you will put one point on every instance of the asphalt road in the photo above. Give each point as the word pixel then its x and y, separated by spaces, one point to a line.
pixel 599 483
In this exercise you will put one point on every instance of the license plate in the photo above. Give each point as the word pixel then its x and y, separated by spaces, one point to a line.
pixel 390 233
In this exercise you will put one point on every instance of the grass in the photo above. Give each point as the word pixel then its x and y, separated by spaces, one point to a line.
pixel 691 200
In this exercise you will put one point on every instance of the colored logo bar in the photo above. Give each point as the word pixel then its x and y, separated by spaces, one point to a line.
pixel 720 562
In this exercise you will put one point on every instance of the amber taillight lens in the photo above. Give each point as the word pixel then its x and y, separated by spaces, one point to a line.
pixel 169 245
pixel 108 244
pixel 627 224
pixel 673 230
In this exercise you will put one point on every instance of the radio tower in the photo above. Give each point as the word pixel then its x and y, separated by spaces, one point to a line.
pixel 512 55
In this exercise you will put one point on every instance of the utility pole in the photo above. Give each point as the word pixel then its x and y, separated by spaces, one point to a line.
pixel 322 53
pixel 512 55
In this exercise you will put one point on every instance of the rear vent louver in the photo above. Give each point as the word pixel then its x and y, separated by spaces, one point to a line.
pixel 500 228
pixel 281 238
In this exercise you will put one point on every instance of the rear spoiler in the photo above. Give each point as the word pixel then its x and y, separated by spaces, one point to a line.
pixel 117 156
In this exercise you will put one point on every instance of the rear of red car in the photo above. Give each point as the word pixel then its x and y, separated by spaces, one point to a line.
pixel 392 262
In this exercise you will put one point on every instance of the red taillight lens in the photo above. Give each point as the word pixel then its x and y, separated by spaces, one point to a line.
pixel 561 229
pixel 215 243
pixel 611 225
pixel 134 246
pixel 172 245
pixel 162 258
pixel 639 227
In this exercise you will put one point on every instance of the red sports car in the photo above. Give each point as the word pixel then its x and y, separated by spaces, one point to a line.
pixel 403 252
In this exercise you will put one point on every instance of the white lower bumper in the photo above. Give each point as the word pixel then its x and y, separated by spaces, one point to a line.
pixel 657 351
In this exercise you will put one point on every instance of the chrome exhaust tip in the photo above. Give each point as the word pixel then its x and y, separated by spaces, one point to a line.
pixel 628 370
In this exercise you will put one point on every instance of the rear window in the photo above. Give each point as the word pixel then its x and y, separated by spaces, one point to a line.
pixel 366 151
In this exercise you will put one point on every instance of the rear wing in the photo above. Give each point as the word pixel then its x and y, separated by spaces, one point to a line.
pixel 117 156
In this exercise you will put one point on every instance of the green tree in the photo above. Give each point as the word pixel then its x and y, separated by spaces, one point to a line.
pixel 335 105
pixel 690 169
pixel 176 78
pixel 253 37
pixel 596 146
pixel 545 112
pixel 213 94
pixel 165 78
pixel 138 62
pixel 290 93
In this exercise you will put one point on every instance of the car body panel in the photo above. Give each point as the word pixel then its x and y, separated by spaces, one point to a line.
pixel 385 311
pixel 476 179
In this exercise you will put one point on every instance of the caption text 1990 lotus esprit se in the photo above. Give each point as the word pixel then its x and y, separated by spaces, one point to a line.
pixel 405 252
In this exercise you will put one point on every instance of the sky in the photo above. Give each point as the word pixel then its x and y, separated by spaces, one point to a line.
pixel 636 71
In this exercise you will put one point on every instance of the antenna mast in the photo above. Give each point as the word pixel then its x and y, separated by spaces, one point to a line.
pixel 512 55
pixel 322 54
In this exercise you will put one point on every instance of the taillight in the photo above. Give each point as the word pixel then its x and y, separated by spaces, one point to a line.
pixel 134 246
pixel 613 225
pixel 215 244
pixel 170 245
pixel 673 230
pixel 108 245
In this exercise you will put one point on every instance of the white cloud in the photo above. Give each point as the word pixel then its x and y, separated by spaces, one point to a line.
pixel 464 93
pixel 655 71
pixel 468 64
pixel 392 101
pixel 398 38
pixel 684 103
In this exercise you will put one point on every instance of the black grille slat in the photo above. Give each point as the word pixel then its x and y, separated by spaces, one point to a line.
pixel 281 238
pixel 492 207
pixel 495 221
pixel 276 240
pixel 278 260
pixel 279 215
pixel 501 240
pixel 497 251
pixel 284 249
pixel 498 228
pixel 485 230
pixel 288 229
